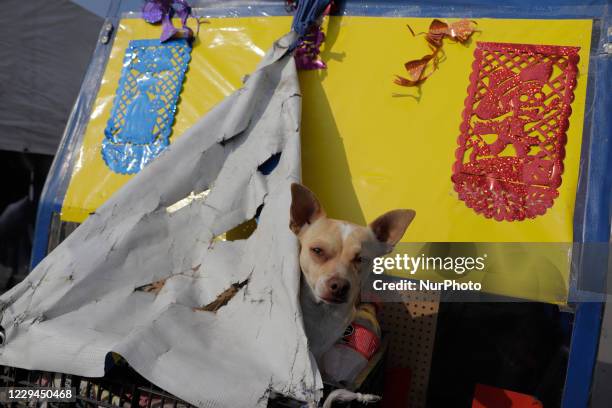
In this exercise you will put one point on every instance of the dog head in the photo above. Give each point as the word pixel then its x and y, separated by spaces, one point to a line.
pixel 335 254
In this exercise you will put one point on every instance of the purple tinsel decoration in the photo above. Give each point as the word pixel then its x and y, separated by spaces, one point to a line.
pixel 155 11
pixel 308 50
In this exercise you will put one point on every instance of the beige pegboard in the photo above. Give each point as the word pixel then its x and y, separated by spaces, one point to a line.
pixel 411 327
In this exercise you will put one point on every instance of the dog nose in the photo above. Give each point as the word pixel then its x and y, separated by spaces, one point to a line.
pixel 339 288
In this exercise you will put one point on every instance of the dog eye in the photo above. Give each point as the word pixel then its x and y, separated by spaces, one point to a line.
pixel 358 259
pixel 317 250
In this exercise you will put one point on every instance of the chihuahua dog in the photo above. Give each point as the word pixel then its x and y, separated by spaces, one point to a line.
pixel 334 257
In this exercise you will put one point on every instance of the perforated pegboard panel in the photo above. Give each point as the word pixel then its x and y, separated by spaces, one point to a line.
pixel 411 327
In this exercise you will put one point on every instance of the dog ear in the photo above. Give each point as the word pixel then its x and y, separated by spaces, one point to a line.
pixel 305 208
pixel 390 227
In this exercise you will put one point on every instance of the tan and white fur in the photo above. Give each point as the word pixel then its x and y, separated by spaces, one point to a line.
pixel 335 256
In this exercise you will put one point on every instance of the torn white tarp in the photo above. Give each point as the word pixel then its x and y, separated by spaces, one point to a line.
pixel 87 297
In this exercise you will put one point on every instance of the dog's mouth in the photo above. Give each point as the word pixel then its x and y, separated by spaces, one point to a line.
pixel 332 301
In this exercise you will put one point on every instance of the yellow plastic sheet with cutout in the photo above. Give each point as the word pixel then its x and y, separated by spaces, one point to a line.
pixel 227 49
pixel 368 145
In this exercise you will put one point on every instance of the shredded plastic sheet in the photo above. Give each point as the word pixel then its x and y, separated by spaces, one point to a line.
pixel 189 313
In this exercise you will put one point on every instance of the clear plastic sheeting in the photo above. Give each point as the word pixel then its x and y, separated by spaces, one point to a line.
pixel 392 150
pixel 216 323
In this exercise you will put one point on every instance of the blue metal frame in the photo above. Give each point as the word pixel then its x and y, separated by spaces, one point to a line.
pixel 56 184
pixel 592 224
pixel 592 218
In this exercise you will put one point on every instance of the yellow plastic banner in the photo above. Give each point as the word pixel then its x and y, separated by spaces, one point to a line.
pixel 368 145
